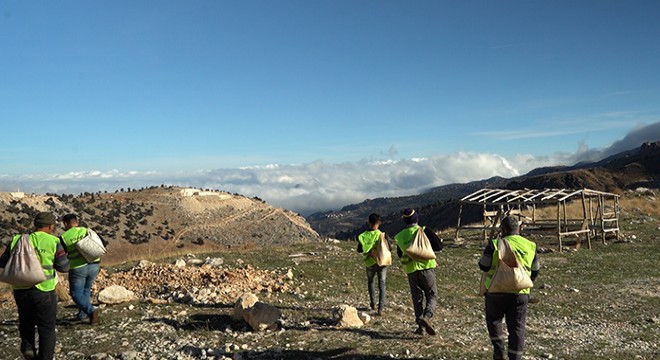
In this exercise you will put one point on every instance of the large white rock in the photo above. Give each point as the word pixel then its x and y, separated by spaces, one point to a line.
pixel 346 316
pixel 116 294
pixel 243 303
pixel 262 317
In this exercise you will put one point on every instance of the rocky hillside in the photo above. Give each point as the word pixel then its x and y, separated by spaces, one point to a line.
pixel 162 220
pixel 439 206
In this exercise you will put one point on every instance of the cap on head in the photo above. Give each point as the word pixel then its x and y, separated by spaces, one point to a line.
pixel 409 216
pixel 44 218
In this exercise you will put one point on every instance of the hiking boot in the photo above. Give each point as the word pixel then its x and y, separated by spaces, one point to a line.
pixel 28 354
pixel 419 331
pixel 372 306
pixel 426 323
pixel 94 318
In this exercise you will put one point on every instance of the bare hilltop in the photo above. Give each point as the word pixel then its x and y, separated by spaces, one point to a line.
pixel 161 221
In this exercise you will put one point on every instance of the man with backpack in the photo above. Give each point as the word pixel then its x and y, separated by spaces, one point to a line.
pixel 421 273
pixel 37 305
pixel 82 273
pixel 509 305
pixel 366 243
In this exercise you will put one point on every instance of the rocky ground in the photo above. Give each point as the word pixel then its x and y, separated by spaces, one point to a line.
pixel 592 304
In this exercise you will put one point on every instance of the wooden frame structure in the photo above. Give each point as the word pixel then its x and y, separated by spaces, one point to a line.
pixel 598 217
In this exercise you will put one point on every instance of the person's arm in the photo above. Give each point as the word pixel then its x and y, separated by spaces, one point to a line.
pixel 63 243
pixel 61 262
pixel 487 257
pixel 5 256
pixel 436 243
pixel 536 267
pixel 359 247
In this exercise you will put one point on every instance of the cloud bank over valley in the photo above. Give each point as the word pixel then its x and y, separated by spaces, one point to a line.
pixel 318 186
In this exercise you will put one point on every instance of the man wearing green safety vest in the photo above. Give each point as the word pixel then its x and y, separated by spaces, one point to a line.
pixel 82 274
pixel 511 306
pixel 37 305
pixel 366 242
pixel 421 273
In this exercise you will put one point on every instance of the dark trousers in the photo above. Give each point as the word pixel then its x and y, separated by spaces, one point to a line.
pixel 512 308
pixel 38 309
pixel 423 286
pixel 372 271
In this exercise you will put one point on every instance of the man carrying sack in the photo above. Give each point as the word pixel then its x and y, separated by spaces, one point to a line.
pixel 511 304
pixel 375 247
pixel 37 305
pixel 421 272
pixel 82 273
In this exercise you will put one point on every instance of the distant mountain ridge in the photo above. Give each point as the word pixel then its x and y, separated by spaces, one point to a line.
pixel 639 167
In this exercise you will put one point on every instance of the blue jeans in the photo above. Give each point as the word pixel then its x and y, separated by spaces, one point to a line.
pixel 372 271
pixel 80 287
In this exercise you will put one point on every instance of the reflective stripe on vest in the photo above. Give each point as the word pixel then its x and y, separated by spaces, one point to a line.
pixel 45 245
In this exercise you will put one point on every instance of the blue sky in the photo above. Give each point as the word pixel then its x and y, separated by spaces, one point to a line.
pixel 274 98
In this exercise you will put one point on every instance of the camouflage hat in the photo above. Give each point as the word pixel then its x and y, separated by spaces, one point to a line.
pixel 45 218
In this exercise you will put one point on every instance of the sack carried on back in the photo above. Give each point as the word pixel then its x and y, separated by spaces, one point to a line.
pixel 24 267
pixel 420 247
pixel 91 247
pixel 510 276
pixel 381 251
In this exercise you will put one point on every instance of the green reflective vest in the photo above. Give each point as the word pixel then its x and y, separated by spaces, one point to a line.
pixel 403 239
pixel 525 251
pixel 368 239
pixel 70 238
pixel 45 245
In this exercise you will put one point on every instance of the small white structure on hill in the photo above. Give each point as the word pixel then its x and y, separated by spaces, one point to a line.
pixel 198 192
pixel 17 194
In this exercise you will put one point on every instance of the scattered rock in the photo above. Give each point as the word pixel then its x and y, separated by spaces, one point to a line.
pixel 346 316
pixel 215 262
pixel 144 264
pixel 242 304
pixel 129 355
pixel 180 263
pixel 364 317
pixel 116 294
pixel 262 317
pixel 156 301
pixel 195 262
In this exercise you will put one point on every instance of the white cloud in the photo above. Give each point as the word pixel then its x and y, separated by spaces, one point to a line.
pixel 315 186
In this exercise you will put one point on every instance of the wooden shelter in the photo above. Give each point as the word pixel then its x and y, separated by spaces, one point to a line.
pixel 600 212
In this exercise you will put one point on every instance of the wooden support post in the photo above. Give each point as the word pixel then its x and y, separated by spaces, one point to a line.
pixel 616 213
pixel 559 224
pixel 458 225
pixel 585 221
pixel 601 205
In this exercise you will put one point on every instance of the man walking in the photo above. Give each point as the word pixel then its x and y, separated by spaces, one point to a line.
pixel 421 273
pixel 511 306
pixel 82 274
pixel 37 305
pixel 366 242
